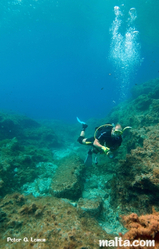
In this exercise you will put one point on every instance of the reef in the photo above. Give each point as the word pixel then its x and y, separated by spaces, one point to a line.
pixel 27 131
pixel 24 143
pixel 135 186
pixel 19 164
pixel 47 191
pixel 139 172
pixel 48 222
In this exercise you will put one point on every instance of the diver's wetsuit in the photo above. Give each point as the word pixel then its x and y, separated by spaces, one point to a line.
pixel 103 134
pixel 104 137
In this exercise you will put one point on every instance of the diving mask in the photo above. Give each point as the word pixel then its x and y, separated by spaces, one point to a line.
pixel 118 132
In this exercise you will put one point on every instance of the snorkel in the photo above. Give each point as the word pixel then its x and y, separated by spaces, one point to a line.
pixel 120 132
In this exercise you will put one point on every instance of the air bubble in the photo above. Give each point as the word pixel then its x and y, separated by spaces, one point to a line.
pixel 124 49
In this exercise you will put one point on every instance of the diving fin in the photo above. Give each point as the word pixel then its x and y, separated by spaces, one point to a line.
pixel 88 160
pixel 81 122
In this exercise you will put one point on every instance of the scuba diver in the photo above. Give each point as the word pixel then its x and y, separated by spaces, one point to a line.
pixel 107 138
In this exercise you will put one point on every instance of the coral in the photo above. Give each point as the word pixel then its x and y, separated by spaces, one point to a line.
pixel 144 227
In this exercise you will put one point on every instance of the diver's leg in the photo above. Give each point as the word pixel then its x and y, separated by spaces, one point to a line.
pixel 96 152
pixel 88 160
pixel 82 138
pixel 84 126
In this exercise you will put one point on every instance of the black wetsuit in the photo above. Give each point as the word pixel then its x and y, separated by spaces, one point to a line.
pixel 103 134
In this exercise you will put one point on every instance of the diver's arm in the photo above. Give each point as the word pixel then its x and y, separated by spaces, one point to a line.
pixel 97 144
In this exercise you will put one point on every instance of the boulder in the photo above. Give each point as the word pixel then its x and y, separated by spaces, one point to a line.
pixel 67 181
pixel 92 206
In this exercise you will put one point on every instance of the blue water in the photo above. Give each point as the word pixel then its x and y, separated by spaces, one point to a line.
pixel 56 61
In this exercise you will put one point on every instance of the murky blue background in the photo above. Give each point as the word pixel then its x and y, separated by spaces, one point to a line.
pixel 55 56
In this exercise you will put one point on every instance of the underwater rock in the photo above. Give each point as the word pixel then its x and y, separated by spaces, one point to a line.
pixel 18 164
pixel 155 93
pixel 148 87
pixel 40 186
pixel 12 125
pixel 141 110
pixel 143 102
pixel 50 219
pixel 27 131
pixel 67 181
pixel 1 183
pixel 92 206
pixel 43 137
pixel 137 182
pixel 2 215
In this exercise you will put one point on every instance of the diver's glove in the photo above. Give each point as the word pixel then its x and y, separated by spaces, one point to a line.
pixel 105 149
